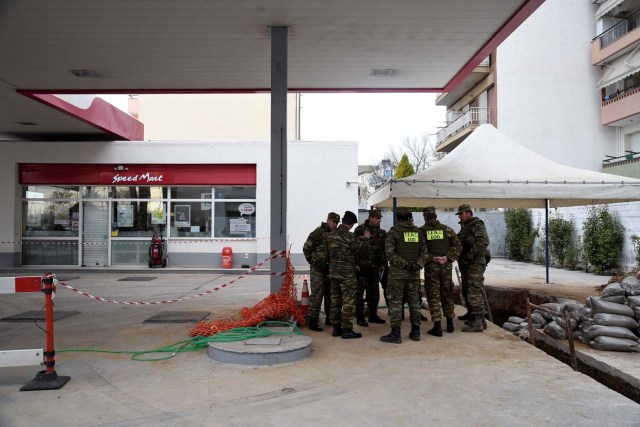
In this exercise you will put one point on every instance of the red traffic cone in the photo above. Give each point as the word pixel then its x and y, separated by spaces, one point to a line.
pixel 304 299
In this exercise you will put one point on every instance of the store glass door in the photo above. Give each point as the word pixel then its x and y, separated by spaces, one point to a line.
pixel 95 234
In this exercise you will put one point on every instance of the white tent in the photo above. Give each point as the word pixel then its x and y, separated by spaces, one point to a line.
pixel 489 170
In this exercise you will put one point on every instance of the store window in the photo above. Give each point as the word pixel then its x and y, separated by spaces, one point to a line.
pixel 138 218
pixel 50 218
pixel 50 192
pixel 139 192
pixel 235 212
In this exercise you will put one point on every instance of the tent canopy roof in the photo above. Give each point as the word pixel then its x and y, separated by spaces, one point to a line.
pixel 489 170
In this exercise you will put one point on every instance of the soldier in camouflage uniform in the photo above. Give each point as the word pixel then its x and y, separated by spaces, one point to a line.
pixel 344 247
pixel 444 247
pixel 472 262
pixel 371 266
pixel 315 251
pixel 407 254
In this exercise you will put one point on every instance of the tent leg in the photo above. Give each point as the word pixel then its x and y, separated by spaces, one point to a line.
pixel 395 206
pixel 546 238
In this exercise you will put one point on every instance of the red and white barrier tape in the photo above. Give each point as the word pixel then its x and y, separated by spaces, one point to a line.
pixel 139 242
pixel 274 254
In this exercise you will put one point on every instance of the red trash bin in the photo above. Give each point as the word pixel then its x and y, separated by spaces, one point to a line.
pixel 227 257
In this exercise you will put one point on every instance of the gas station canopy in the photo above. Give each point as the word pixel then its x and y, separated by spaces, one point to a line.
pixel 223 46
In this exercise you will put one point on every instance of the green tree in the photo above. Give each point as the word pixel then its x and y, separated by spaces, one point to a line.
pixel 404 168
pixel 603 239
pixel 560 238
pixel 520 233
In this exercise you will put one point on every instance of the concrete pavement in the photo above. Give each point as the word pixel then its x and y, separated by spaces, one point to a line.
pixel 460 379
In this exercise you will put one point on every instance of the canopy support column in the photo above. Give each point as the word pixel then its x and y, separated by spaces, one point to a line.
pixel 546 237
pixel 395 206
pixel 279 88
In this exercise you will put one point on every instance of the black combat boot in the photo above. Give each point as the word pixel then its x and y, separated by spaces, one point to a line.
pixel 475 324
pixel 314 325
pixel 466 316
pixel 450 327
pixel 349 334
pixel 436 331
pixel 394 337
pixel 360 320
pixel 415 333
pixel 337 330
pixel 374 318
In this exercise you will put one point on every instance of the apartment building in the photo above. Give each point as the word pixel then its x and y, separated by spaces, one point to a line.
pixel 616 51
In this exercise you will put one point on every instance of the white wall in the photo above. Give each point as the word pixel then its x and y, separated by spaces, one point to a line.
pixel 318 172
pixel 547 99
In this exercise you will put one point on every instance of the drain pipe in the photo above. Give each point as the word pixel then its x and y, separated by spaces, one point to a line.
pixel 546 237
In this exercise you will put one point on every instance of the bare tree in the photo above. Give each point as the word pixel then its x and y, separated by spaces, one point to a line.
pixel 422 153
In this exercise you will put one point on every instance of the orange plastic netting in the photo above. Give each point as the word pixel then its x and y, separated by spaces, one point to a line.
pixel 274 307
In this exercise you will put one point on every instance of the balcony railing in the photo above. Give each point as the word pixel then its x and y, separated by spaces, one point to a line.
pixel 472 117
pixel 620 29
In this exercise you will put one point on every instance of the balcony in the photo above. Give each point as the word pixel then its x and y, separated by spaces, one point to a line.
pixel 621 109
pixel 616 40
pixel 627 165
pixel 455 132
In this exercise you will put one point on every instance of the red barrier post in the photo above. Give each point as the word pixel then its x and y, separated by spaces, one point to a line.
pixel 48 379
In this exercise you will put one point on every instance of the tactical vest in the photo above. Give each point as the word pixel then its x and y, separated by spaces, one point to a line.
pixel 408 244
pixel 438 242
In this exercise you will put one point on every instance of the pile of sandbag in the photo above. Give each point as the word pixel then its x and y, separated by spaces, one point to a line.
pixel 615 314
pixel 609 322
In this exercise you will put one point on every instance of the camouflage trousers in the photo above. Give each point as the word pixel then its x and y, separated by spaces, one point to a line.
pixel 320 289
pixel 369 282
pixel 439 289
pixel 343 301
pixel 403 284
pixel 473 281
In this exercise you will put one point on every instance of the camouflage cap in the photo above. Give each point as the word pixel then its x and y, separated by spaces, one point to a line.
pixel 429 210
pixel 333 216
pixel 403 214
pixel 375 214
pixel 463 208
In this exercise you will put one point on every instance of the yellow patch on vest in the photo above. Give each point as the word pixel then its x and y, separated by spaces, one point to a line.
pixel 435 235
pixel 411 237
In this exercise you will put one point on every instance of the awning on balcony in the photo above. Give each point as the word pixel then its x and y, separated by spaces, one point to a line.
pixel 606 7
pixel 620 69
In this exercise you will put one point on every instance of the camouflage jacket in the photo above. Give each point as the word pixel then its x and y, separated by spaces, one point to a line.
pixel 475 240
pixel 343 247
pixel 315 248
pixel 455 247
pixel 373 256
pixel 396 237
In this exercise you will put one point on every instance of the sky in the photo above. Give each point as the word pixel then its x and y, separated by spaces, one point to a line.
pixel 375 121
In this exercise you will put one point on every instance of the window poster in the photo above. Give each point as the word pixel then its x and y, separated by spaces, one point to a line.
pixel 182 216
pixel 158 215
pixel 206 206
pixel 125 216
pixel 239 226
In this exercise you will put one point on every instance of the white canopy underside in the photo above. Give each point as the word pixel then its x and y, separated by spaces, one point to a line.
pixel 489 170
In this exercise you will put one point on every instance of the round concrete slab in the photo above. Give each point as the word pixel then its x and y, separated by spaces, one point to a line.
pixel 271 350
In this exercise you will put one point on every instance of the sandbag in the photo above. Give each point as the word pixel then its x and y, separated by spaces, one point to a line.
pixel 587 302
pixel 578 335
pixel 555 331
pixel 636 313
pixel 511 327
pixel 538 318
pixel 544 314
pixel 553 306
pixel 563 324
pixel 607 319
pixel 618 299
pixel 631 286
pixel 601 306
pixel 615 344
pixel 585 313
pixel 515 319
pixel 633 301
pixel 612 290
pixel 586 324
pixel 610 331
pixel 523 325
